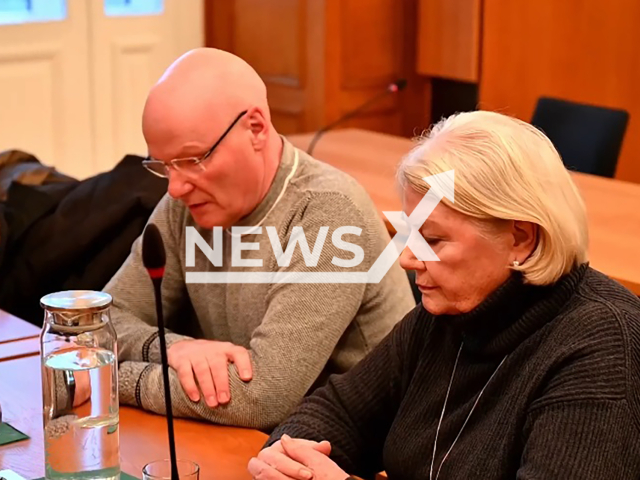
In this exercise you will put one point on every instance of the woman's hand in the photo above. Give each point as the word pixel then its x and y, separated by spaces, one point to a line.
pixel 296 459
pixel 322 466
pixel 273 463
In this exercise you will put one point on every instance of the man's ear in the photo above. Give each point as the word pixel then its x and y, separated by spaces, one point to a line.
pixel 259 127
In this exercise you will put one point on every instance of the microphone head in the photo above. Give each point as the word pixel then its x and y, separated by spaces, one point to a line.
pixel 400 84
pixel 153 254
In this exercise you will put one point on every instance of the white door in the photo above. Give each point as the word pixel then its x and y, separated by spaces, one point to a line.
pixel 133 42
pixel 74 74
pixel 45 82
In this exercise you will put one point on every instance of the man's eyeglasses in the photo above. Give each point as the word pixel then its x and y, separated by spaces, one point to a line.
pixel 189 165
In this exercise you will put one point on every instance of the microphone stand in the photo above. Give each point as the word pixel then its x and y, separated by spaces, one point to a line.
pixel 154 259
pixel 393 88
pixel 157 282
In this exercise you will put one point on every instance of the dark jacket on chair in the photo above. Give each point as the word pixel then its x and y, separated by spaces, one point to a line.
pixel 70 234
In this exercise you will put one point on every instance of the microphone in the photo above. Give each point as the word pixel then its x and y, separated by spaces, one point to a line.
pixel 394 87
pixel 154 259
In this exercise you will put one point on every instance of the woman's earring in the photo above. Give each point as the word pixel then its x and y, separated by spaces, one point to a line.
pixel 515 263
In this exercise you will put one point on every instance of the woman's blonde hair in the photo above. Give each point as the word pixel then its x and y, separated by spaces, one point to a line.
pixel 506 169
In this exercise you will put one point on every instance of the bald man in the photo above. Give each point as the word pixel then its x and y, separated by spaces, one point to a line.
pixel 245 354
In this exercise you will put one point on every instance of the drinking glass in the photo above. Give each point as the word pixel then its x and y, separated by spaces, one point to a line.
pixel 161 470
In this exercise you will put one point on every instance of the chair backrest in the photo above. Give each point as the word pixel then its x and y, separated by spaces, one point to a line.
pixel 588 137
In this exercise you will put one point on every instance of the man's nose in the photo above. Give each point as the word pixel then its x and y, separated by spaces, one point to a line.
pixel 179 186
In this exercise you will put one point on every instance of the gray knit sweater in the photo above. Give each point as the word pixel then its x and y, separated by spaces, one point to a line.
pixel 297 334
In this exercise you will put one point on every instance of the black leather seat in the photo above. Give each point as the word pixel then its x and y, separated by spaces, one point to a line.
pixel 588 137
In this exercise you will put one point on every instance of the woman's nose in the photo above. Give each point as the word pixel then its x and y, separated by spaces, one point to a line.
pixel 408 260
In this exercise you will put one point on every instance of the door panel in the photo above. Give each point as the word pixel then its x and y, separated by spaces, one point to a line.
pixel 44 88
pixel 72 89
pixel 132 52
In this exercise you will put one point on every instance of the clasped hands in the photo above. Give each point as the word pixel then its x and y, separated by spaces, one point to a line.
pixel 296 459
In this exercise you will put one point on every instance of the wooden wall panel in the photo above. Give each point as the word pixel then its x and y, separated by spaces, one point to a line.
pixel 218 20
pixel 287 107
pixel 580 50
pixel 416 101
pixel 322 58
pixel 286 122
pixel 317 42
pixel 371 58
pixel 372 40
pixel 369 55
pixel 449 39
pixel 270 36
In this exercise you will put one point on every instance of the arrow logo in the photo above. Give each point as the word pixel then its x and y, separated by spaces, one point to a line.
pixel 408 227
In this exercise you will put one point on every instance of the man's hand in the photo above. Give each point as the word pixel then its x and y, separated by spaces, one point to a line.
pixel 273 463
pixel 209 361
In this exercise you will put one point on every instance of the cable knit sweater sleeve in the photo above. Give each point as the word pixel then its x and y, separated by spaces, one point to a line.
pixel 579 428
pixel 133 313
pixel 580 439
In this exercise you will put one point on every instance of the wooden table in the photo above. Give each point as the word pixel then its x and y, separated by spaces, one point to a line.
pixel 613 206
pixel 222 452
pixel 17 337
pixel 13 328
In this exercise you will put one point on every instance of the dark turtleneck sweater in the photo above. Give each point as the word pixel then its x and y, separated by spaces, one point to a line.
pixel 565 403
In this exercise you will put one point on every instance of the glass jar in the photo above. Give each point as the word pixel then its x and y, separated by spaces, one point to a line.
pixel 79 357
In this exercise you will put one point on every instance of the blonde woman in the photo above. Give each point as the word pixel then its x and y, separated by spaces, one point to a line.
pixel 521 362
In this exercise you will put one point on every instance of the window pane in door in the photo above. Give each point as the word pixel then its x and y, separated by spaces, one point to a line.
pixel 26 11
pixel 14 5
pixel 116 8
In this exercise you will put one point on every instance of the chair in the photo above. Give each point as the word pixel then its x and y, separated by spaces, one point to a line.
pixel 587 137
